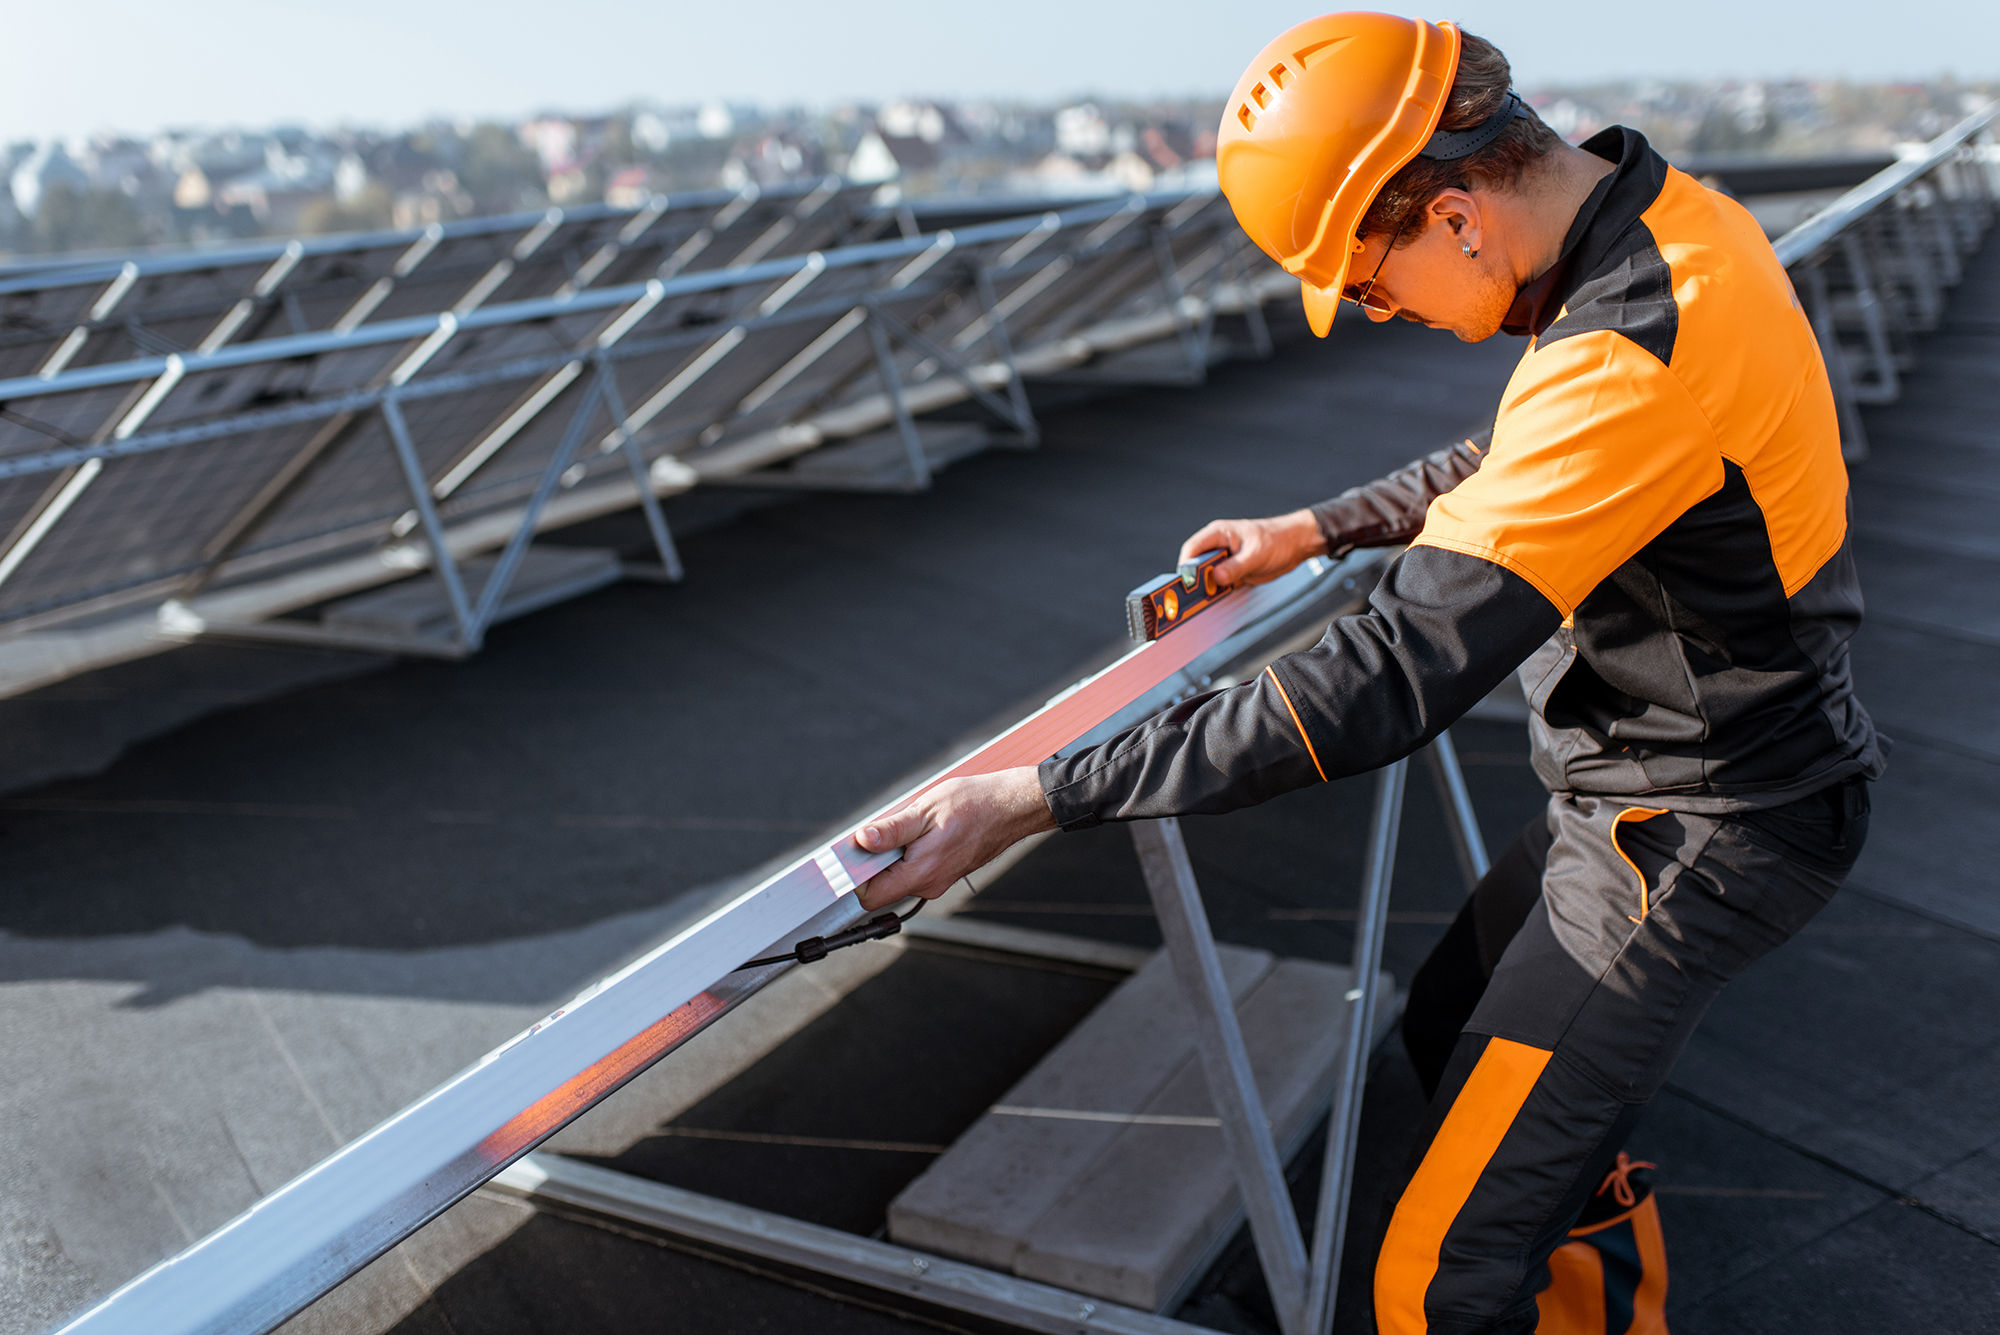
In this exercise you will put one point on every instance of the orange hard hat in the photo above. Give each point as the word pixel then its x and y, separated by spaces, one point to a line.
pixel 1317 125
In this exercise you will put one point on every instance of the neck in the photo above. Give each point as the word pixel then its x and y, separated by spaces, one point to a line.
pixel 1545 205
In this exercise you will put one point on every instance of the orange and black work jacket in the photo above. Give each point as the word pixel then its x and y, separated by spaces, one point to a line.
pixel 1657 525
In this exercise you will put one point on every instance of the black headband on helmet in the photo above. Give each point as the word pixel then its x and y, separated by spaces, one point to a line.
pixel 1450 145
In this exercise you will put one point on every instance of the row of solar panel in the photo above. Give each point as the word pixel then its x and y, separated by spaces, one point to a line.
pixel 63 316
pixel 132 480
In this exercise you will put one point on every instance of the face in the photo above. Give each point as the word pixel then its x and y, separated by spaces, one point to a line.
pixel 1431 281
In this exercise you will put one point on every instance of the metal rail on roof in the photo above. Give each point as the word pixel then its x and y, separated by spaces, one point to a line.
pixel 267 250
pixel 1873 266
pixel 419 327
pixel 69 315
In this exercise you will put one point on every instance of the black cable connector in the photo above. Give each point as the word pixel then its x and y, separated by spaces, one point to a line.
pixel 877 928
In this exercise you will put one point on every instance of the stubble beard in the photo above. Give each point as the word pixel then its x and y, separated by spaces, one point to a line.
pixel 1485 308
pixel 1486 305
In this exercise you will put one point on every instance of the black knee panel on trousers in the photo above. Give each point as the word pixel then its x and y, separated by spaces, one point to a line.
pixel 1446 990
pixel 1443 995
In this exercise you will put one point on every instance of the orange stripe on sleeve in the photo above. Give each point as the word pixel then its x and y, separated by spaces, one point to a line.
pixel 1285 695
pixel 1479 1118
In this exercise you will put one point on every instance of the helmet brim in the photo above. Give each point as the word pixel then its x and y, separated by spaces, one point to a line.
pixel 1321 303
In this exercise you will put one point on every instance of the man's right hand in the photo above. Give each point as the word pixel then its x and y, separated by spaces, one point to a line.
pixel 1259 550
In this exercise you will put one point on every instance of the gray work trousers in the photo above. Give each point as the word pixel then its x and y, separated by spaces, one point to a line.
pixel 1553 1010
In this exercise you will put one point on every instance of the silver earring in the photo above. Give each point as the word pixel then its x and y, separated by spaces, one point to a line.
pixel 1469 252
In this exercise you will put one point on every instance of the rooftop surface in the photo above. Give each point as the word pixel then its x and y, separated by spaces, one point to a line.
pixel 250 938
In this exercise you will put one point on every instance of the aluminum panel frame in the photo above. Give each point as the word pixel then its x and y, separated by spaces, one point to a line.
pixel 301 1240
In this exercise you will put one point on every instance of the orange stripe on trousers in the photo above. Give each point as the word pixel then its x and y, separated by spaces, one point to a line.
pixel 1472 1131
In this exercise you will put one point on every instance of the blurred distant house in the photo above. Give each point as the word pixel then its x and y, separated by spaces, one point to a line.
pixel 910 143
pixel 192 189
pixel 57 205
pixel 1083 133
pixel 1168 146
pixel 1104 150
pixel 629 188
pixel 557 143
pixel 47 168
pixel 782 156
pixel 1569 118
pixel 279 192
pixel 402 181
pixel 889 157
pixel 1744 121
pixel 579 155
pixel 125 165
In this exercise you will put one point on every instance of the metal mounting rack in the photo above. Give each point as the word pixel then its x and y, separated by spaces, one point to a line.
pixel 220 490
pixel 1872 267
pixel 304 1238
pixel 1303 1281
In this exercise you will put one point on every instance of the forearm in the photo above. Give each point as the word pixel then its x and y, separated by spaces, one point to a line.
pixel 1391 510
pixel 1302 534
pixel 1444 629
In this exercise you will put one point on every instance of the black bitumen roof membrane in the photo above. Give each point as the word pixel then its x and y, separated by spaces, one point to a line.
pixel 451 845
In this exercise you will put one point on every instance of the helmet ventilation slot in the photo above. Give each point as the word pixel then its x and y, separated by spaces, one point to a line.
pixel 1309 56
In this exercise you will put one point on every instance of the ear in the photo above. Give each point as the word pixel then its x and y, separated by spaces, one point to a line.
pixel 1459 211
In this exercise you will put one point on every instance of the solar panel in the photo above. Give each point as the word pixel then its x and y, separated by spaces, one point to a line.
pixel 135 480
pixel 146 519
pixel 40 311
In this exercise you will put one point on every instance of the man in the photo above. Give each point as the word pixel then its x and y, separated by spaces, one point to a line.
pixel 1654 533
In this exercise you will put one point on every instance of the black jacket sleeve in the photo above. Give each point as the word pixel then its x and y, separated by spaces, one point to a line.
pixel 1442 630
pixel 1390 510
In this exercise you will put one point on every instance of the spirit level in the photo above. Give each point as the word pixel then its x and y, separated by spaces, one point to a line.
pixel 1159 605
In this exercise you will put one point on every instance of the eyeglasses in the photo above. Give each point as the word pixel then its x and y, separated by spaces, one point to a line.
pixel 1364 296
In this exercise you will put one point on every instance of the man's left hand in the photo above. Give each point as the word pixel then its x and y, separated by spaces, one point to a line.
pixel 952 830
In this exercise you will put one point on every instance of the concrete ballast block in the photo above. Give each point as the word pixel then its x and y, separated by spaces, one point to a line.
pixel 980 1200
pixel 1132 1212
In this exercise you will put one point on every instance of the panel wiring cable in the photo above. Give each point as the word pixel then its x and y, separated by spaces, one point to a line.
pixel 815 948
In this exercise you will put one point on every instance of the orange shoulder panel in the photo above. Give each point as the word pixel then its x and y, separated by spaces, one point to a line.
pixel 1597 448
pixel 1748 357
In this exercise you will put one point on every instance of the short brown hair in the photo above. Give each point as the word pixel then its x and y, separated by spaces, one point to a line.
pixel 1477 91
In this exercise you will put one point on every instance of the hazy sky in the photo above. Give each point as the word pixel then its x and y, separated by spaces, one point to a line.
pixel 82 65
